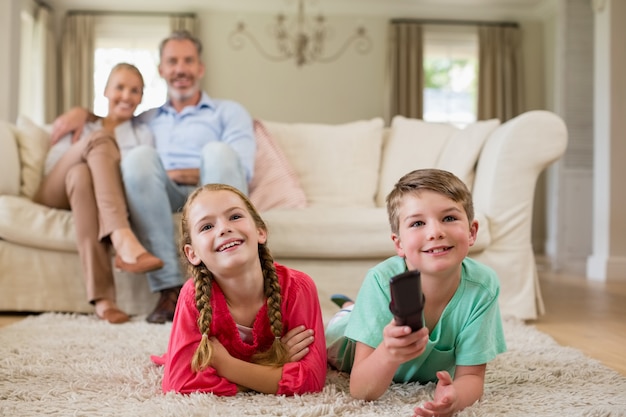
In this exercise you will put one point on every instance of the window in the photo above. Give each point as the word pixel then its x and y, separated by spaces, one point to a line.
pixel 450 74
pixel 132 39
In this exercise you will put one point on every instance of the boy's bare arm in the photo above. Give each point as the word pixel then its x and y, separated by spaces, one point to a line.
pixel 373 369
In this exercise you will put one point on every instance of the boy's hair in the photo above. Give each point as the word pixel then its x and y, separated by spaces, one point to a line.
pixel 126 66
pixel 437 180
pixel 181 35
pixel 277 354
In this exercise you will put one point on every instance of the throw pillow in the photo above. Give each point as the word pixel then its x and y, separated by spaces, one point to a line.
pixel 412 144
pixel 10 168
pixel 337 164
pixel 462 150
pixel 33 143
pixel 275 183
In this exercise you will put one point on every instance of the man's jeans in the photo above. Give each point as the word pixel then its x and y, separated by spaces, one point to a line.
pixel 152 197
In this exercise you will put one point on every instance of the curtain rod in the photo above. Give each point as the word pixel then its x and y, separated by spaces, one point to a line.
pixel 116 13
pixel 453 22
pixel 43 4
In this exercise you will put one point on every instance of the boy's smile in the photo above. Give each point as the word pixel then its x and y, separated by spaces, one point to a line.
pixel 434 233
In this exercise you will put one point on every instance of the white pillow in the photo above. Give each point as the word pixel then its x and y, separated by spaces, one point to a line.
pixel 412 144
pixel 10 173
pixel 462 150
pixel 337 165
pixel 33 142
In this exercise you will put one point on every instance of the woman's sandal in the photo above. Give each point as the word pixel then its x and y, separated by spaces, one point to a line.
pixel 114 316
pixel 340 299
pixel 146 262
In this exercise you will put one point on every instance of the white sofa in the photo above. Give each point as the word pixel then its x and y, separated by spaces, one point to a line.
pixel 321 190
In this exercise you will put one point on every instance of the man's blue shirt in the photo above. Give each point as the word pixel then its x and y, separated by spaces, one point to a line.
pixel 180 137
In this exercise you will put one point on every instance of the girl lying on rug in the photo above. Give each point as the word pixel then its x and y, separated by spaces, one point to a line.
pixel 242 322
pixel 432 223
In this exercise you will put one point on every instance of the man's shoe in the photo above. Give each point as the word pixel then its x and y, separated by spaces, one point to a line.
pixel 164 310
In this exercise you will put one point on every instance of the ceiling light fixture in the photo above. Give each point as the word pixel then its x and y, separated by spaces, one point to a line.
pixel 301 39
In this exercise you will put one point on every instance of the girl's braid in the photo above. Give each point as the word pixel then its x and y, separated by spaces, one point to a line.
pixel 272 291
pixel 277 354
pixel 202 279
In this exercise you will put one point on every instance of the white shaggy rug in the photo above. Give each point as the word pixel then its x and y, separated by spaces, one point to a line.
pixel 75 365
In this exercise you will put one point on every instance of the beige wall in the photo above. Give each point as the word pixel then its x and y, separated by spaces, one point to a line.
pixel 350 88
pixel 347 89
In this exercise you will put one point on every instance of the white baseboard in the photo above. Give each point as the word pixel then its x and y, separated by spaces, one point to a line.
pixel 602 268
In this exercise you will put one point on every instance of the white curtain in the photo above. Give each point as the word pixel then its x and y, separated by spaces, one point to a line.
pixel 38 82
pixel 44 46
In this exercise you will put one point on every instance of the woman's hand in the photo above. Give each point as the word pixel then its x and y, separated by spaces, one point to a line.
pixel 298 341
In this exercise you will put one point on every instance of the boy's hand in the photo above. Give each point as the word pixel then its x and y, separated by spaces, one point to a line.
pixel 444 403
pixel 401 344
pixel 297 341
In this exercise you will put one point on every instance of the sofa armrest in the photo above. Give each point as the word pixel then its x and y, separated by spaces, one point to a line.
pixel 10 166
pixel 507 171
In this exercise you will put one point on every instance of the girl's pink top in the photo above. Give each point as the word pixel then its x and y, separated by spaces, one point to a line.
pixel 300 306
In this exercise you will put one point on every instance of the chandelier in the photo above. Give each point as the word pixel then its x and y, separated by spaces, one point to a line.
pixel 301 39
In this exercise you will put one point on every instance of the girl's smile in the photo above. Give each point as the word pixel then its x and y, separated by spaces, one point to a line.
pixel 223 233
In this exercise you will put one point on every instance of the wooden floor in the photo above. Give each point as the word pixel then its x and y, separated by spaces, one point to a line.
pixel 587 315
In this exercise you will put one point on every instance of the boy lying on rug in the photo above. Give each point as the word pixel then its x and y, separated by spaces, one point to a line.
pixel 227 332
pixel 432 227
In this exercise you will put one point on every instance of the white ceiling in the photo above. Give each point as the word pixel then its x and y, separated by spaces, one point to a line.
pixel 423 8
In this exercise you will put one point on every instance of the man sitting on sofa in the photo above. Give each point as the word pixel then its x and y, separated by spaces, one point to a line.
pixel 198 140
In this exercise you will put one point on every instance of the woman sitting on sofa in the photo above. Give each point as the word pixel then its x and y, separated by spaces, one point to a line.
pixel 85 177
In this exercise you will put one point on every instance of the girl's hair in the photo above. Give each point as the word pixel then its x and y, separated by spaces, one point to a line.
pixel 277 354
pixel 126 66
pixel 437 180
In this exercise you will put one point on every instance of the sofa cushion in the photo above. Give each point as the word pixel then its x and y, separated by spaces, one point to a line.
pixel 411 144
pixel 329 232
pixel 10 168
pixel 415 144
pixel 33 143
pixel 462 149
pixel 33 225
pixel 337 165
pixel 275 183
pixel 340 233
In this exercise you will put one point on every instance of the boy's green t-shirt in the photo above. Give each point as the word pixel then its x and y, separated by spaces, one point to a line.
pixel 469 331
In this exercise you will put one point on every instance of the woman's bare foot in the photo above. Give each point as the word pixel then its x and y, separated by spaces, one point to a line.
pixel 126 245
pixel 108 310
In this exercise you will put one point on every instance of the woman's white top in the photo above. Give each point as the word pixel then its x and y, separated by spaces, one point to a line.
pixel 128 135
